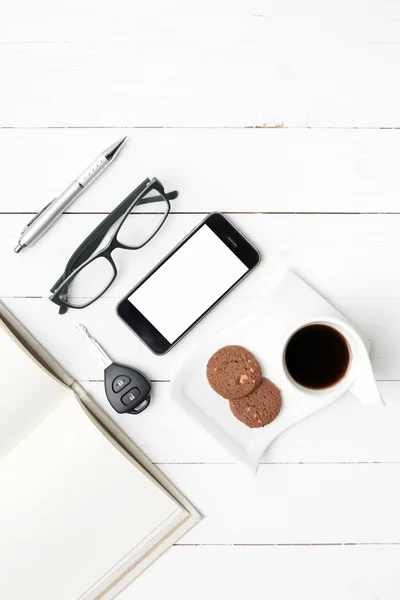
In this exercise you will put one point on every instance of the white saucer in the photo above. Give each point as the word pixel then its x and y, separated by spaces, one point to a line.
pixel 262 332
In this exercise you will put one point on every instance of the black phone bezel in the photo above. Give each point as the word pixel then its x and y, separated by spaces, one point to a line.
pixel 232 238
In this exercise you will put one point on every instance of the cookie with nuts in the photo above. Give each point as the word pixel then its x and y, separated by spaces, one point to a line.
pixel 233 372
pixel 260 407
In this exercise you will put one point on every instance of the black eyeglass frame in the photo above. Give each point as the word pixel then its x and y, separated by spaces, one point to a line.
pixel 85 253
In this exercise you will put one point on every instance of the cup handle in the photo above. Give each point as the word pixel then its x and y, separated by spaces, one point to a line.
pixel 367 392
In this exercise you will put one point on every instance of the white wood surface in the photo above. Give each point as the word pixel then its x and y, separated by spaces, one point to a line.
pixel 332 572
pixel 379 318
pixel 200 84
pixel 187 20
pixel 291 170
pixel 287 114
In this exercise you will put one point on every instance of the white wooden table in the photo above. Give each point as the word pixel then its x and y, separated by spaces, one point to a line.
pixel 285 115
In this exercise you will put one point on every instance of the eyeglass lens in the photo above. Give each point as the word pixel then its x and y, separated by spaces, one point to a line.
pixel 137 229
pixel 89 283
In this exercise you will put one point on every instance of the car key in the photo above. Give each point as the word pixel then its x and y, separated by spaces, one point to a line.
pixel 127 389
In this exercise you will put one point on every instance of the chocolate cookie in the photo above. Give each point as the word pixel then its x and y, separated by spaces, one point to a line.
pixel 260 407
pixel 233 372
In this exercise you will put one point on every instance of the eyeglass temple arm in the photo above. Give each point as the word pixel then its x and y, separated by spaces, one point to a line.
pixel 92 242
pixel 170 196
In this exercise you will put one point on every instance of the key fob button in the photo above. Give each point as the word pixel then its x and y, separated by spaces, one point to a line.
pixel 120 383
pixel 130 397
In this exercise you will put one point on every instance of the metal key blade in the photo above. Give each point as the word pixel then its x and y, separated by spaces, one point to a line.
pixel 95 345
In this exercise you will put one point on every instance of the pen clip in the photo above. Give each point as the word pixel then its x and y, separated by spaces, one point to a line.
pixel 36 216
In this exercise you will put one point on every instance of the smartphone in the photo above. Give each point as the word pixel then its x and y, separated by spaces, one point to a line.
pixel 188 283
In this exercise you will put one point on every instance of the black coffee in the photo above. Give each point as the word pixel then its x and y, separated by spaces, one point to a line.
pixel 317 356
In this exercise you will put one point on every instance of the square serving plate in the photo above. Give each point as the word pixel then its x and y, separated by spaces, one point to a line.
pixel 263 332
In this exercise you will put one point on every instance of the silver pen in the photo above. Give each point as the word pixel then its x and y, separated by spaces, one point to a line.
pixel 53 211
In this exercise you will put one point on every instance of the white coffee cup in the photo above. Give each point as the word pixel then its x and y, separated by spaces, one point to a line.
pixel 358 378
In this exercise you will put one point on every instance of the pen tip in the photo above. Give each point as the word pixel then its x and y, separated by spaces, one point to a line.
pixel 18 248
pixel 120 142
pixel 113 150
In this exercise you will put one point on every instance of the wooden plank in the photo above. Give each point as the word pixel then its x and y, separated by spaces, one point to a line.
pixel 60 337
pixel 236 572
pixel 378 318
pixel 342 255
pixel 199 85
pixel 292 504
pixel 344 432
pixel 330 171
pixel 209 20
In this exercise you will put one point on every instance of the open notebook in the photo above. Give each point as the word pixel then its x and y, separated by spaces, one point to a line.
pixel 80 513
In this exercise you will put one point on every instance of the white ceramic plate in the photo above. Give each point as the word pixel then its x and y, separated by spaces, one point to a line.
pixel 264 332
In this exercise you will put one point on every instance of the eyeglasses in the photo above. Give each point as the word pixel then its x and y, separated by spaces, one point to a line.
pixel 91 270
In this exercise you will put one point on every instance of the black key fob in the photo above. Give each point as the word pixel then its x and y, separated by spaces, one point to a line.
pixel 127 390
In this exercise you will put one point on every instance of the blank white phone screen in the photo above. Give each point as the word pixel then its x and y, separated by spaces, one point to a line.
pixel 188 283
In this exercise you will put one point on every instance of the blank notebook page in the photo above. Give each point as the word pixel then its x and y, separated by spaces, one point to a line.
pixel 27 392
pixel 74 511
